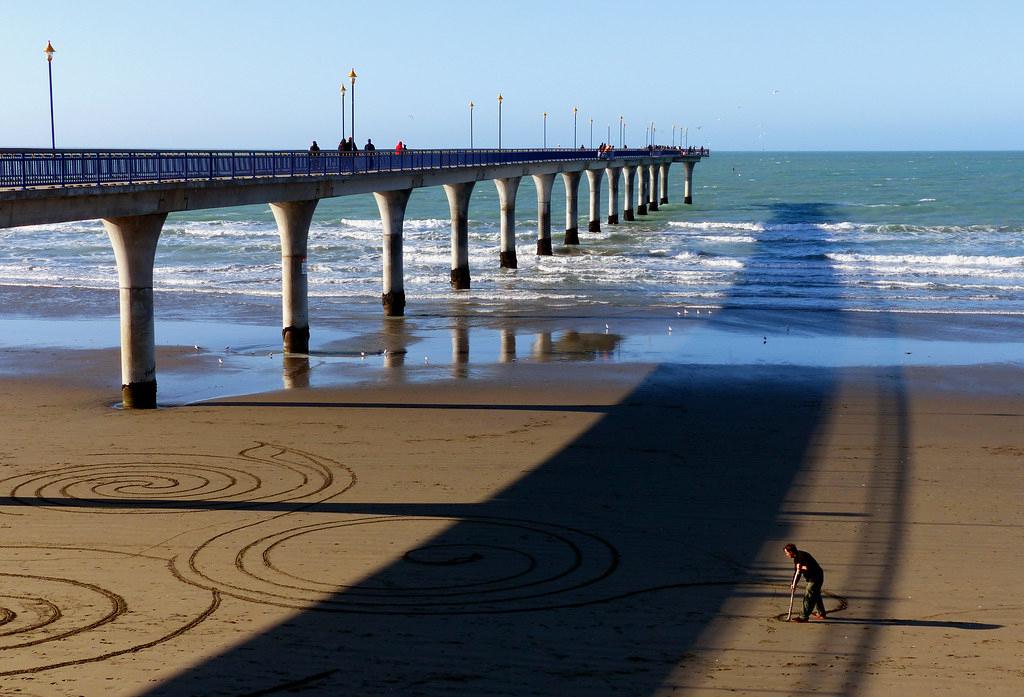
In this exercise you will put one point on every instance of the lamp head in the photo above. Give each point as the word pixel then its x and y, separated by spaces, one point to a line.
pixel 500 98
pixel 343 90
pixel 352 76
pixel 49 51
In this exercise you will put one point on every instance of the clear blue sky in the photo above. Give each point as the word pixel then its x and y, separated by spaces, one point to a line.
pixel 741 75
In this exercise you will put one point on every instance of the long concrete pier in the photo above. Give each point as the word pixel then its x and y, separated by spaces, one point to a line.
pixel 134 191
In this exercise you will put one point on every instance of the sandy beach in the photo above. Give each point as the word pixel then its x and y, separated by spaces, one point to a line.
pixel 550 528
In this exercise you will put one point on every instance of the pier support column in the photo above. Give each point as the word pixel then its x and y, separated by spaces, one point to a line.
pixel 572 190
pixel 628 174
pixel 663 171
pixel 458 205
pixel 392 215
pixel 594 177
pixel 613 194
pixel 688 183
pixel 293 219
pixel 652 191
pixel 641 190
pixel 507 189
pixel 134 240
pixel 543 182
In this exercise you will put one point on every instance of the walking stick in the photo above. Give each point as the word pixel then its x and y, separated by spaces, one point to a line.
pixel 792 594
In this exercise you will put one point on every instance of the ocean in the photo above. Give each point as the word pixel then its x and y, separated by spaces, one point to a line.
pixel 933 239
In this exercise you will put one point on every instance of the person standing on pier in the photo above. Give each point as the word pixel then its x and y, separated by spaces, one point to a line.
pixel 369 148
pixel 314 149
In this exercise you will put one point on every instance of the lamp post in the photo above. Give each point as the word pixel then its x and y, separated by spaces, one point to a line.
pixel 471 105
pixel 352 77
pixel 545 130
pixel 343 91
pixel 49 51
pixel 574 110
pixel 622 132
pixel 673 135
pixel 591 134
pixel 609 141
pixel 500 100
pixel 652 134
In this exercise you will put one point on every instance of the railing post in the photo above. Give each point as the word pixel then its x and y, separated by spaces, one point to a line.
pixel 211 166
pixel 130 160
pixel 62 180
pixel 24 173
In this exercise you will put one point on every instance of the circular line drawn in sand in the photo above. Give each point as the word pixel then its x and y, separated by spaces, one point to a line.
pixel 137 483
pixel 49 621
pixel 405 564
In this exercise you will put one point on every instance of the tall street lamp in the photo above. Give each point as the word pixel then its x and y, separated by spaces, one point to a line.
pixel 49 51
pixel 342 90
pixel 591 133
pixel 673 135
pixel 545 130
pixel 352 77
pixel 500 100
pixel 622 132
pixel 574 110
pixel 471 105
pixel 609 141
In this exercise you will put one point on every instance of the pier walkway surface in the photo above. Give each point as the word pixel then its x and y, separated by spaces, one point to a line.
pixel 133 191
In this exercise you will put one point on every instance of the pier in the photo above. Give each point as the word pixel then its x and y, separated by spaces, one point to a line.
pixel 134 191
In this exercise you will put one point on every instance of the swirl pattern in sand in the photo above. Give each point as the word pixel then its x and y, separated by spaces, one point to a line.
pixel 162 482
pixel 405 564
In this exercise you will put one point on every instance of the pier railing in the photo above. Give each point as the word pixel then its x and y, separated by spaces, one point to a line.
pixel 27 169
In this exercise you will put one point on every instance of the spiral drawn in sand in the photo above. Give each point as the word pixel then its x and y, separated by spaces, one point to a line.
pixel 405 565
pixel 49 621
pixel 162 482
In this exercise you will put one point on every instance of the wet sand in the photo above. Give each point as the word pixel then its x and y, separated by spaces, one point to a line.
pixel 562 527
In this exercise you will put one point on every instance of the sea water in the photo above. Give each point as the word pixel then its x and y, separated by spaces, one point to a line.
pixel 933 242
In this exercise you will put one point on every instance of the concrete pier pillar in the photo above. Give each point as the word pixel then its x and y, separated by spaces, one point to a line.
pixel 663 172
pixel 507 189
pixel 652 187
pixel 293 219
pixel 543 184
pixel 392 214
pixel 628 175
pixel 458 204
pixel 594 177
pixel 614 173
pixel 572 190
pixel 134 240
pixel 688 183
pixel 641 190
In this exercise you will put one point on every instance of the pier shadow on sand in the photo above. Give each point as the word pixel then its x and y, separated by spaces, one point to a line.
pixel 598 571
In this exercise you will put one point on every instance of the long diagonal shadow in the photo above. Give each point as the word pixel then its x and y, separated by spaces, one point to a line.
pixel 594 573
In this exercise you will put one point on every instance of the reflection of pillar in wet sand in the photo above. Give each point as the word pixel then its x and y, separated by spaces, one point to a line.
pixel 396 342
pixel 293 219
pixel 508 346
pixel 460 347
pixel 134 240
pixel 458 205
pixel 392 215
pixel 541 349
pixel 295 372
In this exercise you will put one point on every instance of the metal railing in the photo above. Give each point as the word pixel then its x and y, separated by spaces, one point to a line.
pixel 27 169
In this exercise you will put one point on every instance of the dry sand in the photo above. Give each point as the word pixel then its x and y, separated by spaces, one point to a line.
pixel 560 529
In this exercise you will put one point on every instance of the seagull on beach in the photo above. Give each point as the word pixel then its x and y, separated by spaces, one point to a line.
pixel 196 347
pixel 220 361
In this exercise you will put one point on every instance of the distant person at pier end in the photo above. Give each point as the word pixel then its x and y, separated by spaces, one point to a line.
pixel 399 148
pixel 314 149
pixel 369 148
